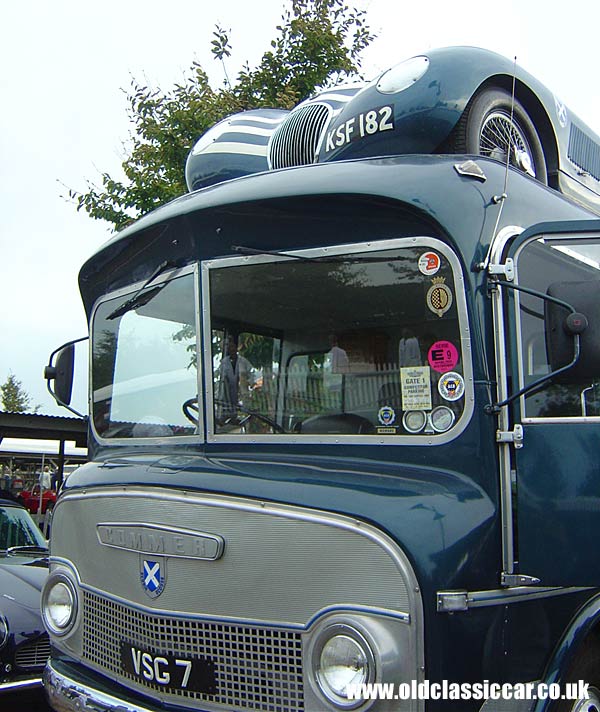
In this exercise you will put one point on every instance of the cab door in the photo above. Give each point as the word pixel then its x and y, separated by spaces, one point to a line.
pixel 555 461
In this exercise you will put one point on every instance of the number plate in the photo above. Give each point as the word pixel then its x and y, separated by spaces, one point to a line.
pixel 170 671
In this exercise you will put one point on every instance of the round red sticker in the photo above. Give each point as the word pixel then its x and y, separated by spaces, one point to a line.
pixel 443 356
pixel 429 263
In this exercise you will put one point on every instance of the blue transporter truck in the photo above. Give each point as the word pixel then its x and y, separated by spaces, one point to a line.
pixel 344 429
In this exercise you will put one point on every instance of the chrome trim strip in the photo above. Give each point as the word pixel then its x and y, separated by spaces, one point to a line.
pixel 28 684
pixel 501 240
pixel 348 249
pixel 189 615
pixel 498 319
pixel 449 601
pixel 68 695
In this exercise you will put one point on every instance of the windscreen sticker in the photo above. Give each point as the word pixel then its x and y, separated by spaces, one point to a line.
pixel 451 386
pixel 429 263
pixel 386 415
pixel 415 384
pixel 443 356
pixel 439 296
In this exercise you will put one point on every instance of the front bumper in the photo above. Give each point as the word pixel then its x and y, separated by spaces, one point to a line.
pixel 66 694
pixel 28 683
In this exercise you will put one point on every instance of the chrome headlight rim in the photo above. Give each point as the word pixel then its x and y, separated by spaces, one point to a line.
pixel 4 630
pixel 319 682
pixel 403 75
pixel 54 580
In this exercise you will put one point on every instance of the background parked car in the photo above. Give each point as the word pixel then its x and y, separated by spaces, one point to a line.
pixel 30 499
pixel 24 644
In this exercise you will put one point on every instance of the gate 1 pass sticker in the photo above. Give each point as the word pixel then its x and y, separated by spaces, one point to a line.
pixel 451 386
pixel 429 263
pixel 443 356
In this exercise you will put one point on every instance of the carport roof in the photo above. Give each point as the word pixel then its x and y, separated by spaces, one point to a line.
pixel 43 427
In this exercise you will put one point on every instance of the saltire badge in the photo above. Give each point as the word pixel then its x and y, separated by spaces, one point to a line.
pixel 153 576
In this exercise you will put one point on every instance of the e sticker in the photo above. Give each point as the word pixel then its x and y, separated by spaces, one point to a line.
pixel 451 386
pixel 443 356
pixel 429 263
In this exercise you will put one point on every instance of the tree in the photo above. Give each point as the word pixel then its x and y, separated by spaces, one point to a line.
pixel 319 42
pixel 14 398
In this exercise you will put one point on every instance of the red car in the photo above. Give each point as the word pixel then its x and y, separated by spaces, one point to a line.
pixel 30 499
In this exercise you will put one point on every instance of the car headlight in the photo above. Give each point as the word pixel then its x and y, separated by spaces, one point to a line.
pixel 342 661
pixel 403 75
pixel 3 631
pixel 59 604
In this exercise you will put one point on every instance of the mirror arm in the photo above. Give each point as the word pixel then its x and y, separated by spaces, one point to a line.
pixel 493 408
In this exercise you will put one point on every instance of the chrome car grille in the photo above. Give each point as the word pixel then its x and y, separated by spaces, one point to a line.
pixel 33 654
pixel 256 668
pixel 296 140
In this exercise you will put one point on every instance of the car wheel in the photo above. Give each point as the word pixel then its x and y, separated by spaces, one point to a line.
pixel 585 667
pixel 493 125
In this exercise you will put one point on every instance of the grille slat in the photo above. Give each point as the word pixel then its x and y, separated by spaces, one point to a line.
pixel 296 140
pixel 33 654
pixel 256 668
pixel 584 152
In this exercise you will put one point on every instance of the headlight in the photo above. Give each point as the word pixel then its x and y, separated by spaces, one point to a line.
pixel 3 631
pixel 59 604
pixel 342 660
pixel 403 75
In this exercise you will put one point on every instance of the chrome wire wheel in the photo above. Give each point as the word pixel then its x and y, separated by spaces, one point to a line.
pixel 590 705
pixel 502 138
pixel 496 125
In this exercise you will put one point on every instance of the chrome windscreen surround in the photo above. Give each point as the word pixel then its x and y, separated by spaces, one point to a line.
pixel 295 571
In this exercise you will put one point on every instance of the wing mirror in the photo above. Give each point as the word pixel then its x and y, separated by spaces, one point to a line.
pixel 60 370
pixel 564 326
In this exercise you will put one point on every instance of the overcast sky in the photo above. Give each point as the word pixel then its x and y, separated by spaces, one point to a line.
pixel 65 70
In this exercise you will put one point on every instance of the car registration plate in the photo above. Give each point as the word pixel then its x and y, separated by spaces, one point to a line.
pixel 170 671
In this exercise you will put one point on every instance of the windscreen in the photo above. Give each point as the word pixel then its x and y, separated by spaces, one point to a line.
pixel 366 343
pixel 144 362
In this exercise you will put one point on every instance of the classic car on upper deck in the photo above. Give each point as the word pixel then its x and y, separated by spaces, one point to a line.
pixel 461 100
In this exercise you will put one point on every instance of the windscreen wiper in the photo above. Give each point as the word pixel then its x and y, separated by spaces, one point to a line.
pixel 334 259
pixel 141 297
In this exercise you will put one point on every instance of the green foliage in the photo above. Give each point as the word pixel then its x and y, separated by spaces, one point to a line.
pixel 319 42
pixel 14 398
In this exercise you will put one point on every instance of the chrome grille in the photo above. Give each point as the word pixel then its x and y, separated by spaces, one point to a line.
pixel 256 668
pixel 584 152
pixel 295 141
pixel 33 654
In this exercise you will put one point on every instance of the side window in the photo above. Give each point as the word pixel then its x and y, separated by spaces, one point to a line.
pixel 541 264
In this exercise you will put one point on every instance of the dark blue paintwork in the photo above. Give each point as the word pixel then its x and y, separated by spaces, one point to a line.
pixel 440 503
pixel 236 146
pixel 426 112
